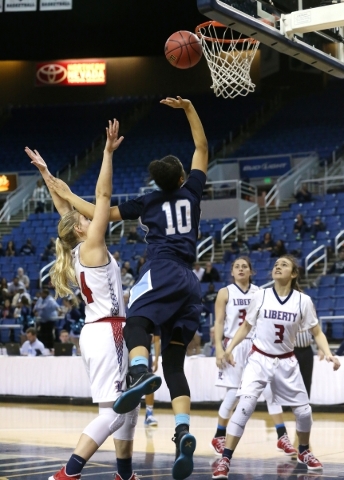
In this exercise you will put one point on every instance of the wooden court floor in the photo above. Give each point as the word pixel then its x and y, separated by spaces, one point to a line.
pixel 35 440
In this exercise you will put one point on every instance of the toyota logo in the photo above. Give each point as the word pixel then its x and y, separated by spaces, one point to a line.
pixel 52 73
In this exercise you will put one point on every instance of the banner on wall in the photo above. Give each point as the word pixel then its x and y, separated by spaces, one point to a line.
pixel 45 5
pixel 20 5
pixel 71 73
pixel 264 166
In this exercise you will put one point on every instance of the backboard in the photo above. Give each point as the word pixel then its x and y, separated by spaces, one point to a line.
pixel 301 29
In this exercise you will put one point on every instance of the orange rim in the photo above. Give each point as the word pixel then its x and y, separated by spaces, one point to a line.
pixel 220 40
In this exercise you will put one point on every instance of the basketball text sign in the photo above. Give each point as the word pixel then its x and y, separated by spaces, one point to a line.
pixel 264 166
pixel 20 6
pixel 71 73
pixel 55 5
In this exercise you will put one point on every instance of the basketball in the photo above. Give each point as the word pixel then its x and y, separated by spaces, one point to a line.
pixel 183 49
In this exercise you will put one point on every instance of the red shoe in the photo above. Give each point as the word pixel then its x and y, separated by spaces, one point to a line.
pixel 309 459
pixel 218 444
pixel 284 445
pixel 133 477
pixel 222 469
pixel 61 475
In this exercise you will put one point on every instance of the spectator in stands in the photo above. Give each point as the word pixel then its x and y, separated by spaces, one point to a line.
pixel 3 290
pixel 31 342
pixel 117 256
pixel 126 277
pixel 7 310
pixel 211 274
pixel 27 248
pixel 18 296
pixel 238 247
pixel 10 249
pixel 209 347
pixel 26 317
pixel 198 270
pixel 300 226
pixel 73 320
pixel 303 195
pixel 23 277
pixel 340 351
pixel 13 287
pixel 210 295
pixel 128 267
pixel 133 236
pixel 267 244
pixel 50 250
pixel 317 226
pixel 47 310
pixel 2 250
pixel 141 261
pixel 278 250
pixel 338 266
pixel 40 196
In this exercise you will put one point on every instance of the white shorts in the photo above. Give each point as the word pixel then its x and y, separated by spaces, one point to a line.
pixel 105 356
pixel 230 377
pixel 284 375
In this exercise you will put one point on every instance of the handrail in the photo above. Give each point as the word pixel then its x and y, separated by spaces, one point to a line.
pixel 199 253
pixel 288 179
pixel 248 216
pixel 43 277
pixel 114 225
pixel 243 190
pixel 332 318
pixel 226 232
pixel 268 284
pixel 308 265
pixel 324 183
pixel 337 243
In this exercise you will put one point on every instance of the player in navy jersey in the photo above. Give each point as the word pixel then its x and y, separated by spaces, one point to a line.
pixel 167 292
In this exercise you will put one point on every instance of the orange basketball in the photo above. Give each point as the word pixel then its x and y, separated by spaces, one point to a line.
pixel 183 49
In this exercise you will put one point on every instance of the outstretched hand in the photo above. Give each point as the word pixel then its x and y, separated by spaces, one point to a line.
pixel 36 159
pixel 178 102
pixel 229 358
pixel 112 140
pixel 58 186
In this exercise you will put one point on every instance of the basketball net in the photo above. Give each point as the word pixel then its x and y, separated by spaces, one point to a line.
pixel 229 58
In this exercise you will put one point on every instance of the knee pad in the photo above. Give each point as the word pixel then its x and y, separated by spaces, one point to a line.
pixel 173 367
pixel 241 416
pixel 137 332
pixel 127 430
pixel 304 418
pixel 228 403
pixel 104 425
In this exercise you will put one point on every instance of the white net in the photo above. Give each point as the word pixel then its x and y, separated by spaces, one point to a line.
pixel 229 58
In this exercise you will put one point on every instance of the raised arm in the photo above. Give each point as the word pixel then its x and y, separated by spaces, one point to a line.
pixel 93 251
pixel 200 156
pixel 62 205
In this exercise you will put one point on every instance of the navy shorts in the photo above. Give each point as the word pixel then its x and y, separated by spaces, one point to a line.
pixel 169 294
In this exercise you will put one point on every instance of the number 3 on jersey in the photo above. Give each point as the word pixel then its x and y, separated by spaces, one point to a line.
pixel 279 333
pixel 86 291
pixel 183 224
pixel 242 316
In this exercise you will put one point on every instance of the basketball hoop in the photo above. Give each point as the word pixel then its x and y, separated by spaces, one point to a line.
pixel 229 59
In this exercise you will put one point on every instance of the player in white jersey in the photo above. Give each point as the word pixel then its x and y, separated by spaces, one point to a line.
pixel 277 313
pixel 231 306
pixel 82 260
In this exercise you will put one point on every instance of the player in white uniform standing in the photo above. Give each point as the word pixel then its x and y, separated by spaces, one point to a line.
pixel 82 260
pixel 278 314
pixel 231 305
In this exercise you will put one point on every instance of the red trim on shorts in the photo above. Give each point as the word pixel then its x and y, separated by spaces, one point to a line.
pixel 110 319
pixel 284 355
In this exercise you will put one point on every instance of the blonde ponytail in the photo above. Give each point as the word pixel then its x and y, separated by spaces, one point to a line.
pixel 62 272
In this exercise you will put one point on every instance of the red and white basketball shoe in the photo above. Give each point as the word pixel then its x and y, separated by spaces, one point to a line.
pixel 284 445
pixel 133 477
pixel 309 459
pixel 61 475
pixel 222 469
pixel 218 444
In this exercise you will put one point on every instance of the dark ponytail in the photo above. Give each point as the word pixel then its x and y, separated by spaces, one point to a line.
pixel 166 173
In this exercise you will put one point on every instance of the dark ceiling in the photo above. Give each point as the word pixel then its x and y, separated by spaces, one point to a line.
pixel 96 28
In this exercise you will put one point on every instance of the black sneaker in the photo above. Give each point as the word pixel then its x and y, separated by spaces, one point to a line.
pixel 185 447
pixel 138 386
